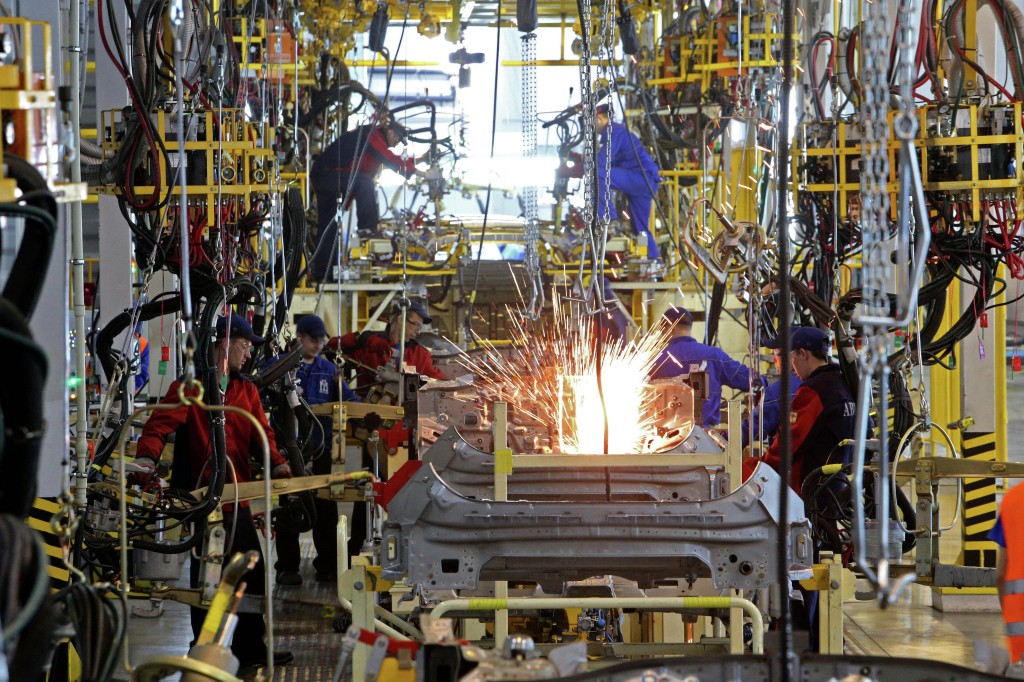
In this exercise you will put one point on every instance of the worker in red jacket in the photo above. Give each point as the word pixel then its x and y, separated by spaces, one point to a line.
pixel 822 417
pixel 822 414
pixel 345 172
pixel 234 344
pixel 378 353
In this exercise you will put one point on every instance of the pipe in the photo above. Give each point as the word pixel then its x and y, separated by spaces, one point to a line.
pixel 78 269
pixel 642 603
pixel 380 612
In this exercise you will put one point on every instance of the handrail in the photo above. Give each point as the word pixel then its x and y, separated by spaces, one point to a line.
pixel 640 603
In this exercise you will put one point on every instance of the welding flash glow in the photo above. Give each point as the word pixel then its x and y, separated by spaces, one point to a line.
pixel 553 374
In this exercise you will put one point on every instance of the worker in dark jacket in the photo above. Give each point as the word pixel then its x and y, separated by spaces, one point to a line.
pixel 823 413
pixel 685 354
pixel 317 380
pixel 241 439
pixel 345 172
pixel 631 171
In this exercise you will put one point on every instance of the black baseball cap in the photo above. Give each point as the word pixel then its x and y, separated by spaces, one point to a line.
pixel 402 131
pixel 802 338
pixel 417 307
pixel 239 328
pixel 312 326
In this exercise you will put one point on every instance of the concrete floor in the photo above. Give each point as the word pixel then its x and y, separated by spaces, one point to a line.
pixel 911 628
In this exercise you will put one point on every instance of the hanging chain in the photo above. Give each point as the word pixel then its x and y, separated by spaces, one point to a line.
pixel 531 260
pixel 874 162
pixel 587 120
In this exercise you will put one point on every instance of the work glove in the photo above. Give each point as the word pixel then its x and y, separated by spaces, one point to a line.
pixel 432 173
pixel 281 471
pixel 388 374
pixel 145 470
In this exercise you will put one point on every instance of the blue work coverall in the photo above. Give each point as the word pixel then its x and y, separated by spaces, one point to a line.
pixel 634 173
pixel 767 414
pixel 317 383
pixel 685 354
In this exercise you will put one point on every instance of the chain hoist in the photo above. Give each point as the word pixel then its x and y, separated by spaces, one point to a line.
pixel 878 312
pixel 587 116
pixel 531 259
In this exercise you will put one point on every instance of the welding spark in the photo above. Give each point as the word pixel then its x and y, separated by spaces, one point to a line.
pixel 551 374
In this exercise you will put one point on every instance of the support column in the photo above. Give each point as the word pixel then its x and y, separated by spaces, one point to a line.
pixel 49 325
pixel 115 289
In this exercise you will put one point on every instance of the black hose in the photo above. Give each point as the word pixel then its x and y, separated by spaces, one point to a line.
pixel 28 272
pixel 21 411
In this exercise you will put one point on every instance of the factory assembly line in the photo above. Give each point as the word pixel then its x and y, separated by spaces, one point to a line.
pixel 510 340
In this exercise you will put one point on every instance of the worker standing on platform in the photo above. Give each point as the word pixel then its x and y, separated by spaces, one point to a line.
pixel 233 346
pixel 1010 568
pixel 822 415
pixel 345 172
pixel 631 171
pixel 685 354
pixel 317 382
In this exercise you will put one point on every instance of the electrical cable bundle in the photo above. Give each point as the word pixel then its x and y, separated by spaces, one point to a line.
pixel 99 619
pixel 26 618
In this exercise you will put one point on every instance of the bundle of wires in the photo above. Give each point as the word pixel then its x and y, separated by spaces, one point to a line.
pixel 99 620
pixel 25 615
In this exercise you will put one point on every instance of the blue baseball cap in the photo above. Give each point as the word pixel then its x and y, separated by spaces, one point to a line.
pixel 677 315
pixel 312 326
pixel 417 307
pixel 802 338
pixel 239 327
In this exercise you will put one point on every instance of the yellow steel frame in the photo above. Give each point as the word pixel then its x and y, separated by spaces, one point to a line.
pixel 236 150
pixel 847 149
pixel 27 92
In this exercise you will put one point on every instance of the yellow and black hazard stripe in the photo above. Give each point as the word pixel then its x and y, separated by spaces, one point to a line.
pixel 979 502
pixel 39 520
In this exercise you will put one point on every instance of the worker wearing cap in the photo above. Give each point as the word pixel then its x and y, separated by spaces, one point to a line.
pixel 317 380
pixel 355 159
pixel 234 342
pixel 378 353
pixel 823 413
pixel 379 350
pixel 765 416
pixel 631 170
pixel 686 354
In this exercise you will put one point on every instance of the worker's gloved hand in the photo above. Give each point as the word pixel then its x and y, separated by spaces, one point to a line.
pixel 281 471
pixel 432 173
pixel 145 470
pixel 388 374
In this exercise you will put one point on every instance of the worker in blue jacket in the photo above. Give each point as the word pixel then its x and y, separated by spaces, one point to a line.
pixel 765 417
pixel 685 354
pixel 633 172
pixel 317 380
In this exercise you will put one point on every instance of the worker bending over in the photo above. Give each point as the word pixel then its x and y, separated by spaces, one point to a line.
pixel 686 354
